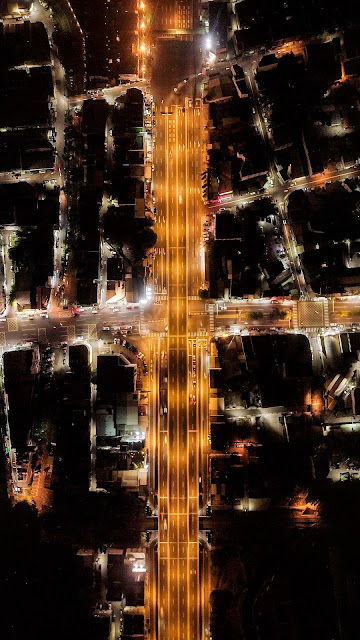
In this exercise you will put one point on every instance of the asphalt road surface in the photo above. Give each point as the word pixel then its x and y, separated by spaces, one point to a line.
pixel 178 596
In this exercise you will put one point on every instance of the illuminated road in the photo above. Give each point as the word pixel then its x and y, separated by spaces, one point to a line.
pixel 177 179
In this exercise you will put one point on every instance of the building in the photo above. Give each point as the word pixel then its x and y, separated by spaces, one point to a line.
pixel 20 370
pixel 115 574
pixel 15 8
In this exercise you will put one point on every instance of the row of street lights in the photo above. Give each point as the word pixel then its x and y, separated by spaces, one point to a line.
pixel 142 47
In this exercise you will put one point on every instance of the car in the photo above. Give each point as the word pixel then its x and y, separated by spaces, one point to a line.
pixel 106 328
pixel 129 306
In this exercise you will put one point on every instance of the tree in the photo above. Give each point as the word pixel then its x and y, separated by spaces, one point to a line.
pixel 204 294
pixel 138 460
pixel 130 237
pixel 12 294
pixel 277 314
pixel 256 315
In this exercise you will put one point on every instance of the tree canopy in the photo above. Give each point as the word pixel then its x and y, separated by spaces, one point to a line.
pixel 130 237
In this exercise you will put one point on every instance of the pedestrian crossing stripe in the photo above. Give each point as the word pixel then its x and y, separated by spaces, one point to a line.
pixel 12 324
pixel 2 339
pixel 92 332
pixel 71 332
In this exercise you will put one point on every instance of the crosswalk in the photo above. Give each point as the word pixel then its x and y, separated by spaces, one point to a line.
pixel 202 333
pixel 157 334
pixel 198 334
pixel 211 308
pixel 92 332
pixel 143 324
pixel 295 317
pixel 42 335
pixel 12 324
pixel 326 313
